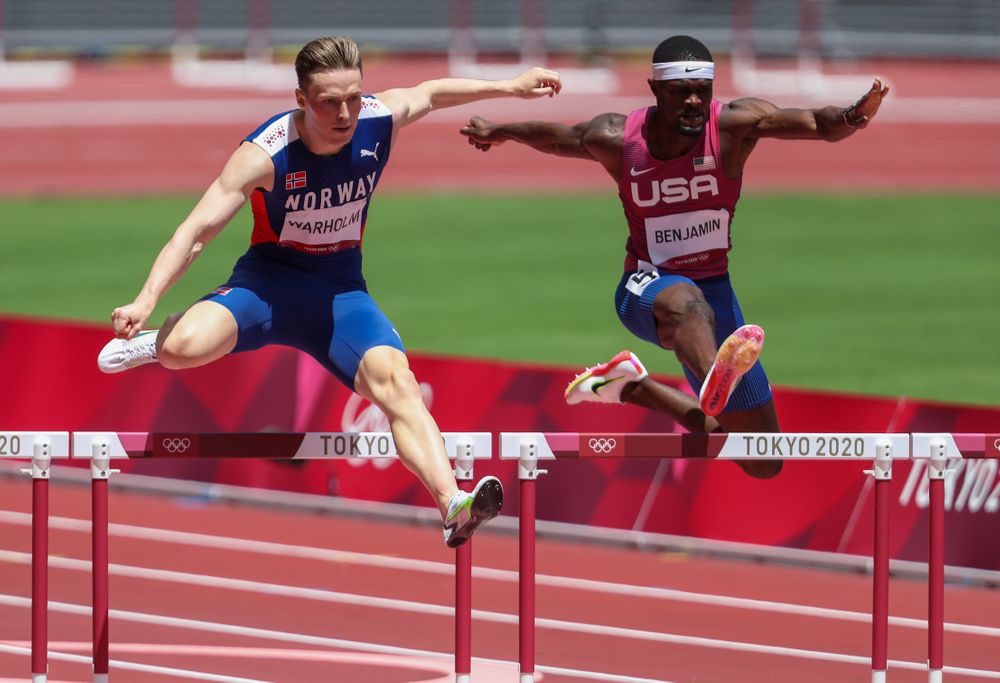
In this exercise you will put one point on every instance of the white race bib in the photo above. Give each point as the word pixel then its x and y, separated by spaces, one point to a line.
pixel 641 279
pixel 322 229
pixel 670 237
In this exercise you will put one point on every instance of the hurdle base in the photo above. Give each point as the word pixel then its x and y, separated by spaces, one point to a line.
pixel 463 678
pixel 527 678
pixel 100 678
pixel 935 676
pixel 39 678
pixel 878 677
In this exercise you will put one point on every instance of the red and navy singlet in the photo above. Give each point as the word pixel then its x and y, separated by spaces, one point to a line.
pixel 319 203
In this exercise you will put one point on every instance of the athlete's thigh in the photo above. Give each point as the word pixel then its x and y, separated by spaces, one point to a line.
pixel 203 333
pixel 634 302
pixel 753 392
pixel 358 325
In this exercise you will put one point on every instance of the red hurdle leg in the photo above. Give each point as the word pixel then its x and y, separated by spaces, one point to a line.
pixel 39 567
pixel 463 578
pixel 880 587
pixel 527 473
pixel 100 472
pixel 99 574
pixel 937 470
pixel 882 473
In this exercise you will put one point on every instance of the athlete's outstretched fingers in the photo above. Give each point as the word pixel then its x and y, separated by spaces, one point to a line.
pixel 868 105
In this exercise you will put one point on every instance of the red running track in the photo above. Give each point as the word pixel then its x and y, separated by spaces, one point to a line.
pixel 411 564
pixel 129 128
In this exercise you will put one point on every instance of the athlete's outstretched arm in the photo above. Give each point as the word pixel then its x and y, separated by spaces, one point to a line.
pixel 248 168
pixel 599 139
pixel 752 118
pixel 550 138
pixel 411 104
pixel 593 139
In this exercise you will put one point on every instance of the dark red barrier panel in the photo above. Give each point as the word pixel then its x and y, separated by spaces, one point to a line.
pixel 51 379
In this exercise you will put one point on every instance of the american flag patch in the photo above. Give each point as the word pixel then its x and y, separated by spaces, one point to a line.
pixel 704 163
pixel 294 181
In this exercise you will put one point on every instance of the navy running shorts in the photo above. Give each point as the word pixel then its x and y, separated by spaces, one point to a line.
pixel 328 315
pixel 634 305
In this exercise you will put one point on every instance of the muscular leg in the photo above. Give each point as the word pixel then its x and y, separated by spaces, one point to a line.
pixel 650 394
pixel 203 333
pixel 685 323
pixel 385 379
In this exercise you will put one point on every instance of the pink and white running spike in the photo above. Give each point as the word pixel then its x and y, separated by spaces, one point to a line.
pixel 735 357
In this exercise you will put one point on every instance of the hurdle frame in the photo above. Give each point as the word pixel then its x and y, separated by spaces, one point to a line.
pixel 940 450
pixel 44 448
pixel 529 447
pixel 101 448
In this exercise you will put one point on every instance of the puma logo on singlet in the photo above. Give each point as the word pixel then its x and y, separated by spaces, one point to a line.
pixel 370 153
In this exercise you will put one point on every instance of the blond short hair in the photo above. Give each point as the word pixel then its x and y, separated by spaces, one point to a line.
pixel 332 53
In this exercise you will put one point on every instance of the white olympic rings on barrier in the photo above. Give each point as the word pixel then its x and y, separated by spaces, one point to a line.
pixel 602 445
pixel 177 445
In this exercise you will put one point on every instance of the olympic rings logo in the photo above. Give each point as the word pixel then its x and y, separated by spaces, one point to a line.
pixel 175 445
pixel 602 445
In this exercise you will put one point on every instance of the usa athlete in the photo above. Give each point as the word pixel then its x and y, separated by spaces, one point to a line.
pixel 310 174
pixel 678 166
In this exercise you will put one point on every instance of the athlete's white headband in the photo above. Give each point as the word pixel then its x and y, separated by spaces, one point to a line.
pixel 675 71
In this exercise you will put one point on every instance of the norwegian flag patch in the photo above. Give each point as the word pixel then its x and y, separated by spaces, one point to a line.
pixel 704 163
pixel 294 181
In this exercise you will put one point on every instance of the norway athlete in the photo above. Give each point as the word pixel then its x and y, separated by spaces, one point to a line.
pixel 310 174
pixel 678 166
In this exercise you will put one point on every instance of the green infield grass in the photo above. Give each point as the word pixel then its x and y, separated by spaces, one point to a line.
pixel 891 295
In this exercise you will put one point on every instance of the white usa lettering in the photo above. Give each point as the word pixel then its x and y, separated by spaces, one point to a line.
pixel 674 190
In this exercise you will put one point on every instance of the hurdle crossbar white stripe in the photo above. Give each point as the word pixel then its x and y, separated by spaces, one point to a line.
pixel 733 446
pixel 30 445
pixel 968 446
pixel 266 445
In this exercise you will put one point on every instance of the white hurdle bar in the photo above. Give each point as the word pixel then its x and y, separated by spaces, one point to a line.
pixel 528 448
pixel 101 448
pixel 41 448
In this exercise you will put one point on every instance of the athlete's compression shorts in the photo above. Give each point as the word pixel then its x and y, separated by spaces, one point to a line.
pixel 328 315
pixel 634 305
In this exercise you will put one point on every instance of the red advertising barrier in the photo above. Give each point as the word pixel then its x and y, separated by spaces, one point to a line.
pixel 51 382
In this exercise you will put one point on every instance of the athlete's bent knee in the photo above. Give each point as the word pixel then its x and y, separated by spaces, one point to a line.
pixel 389 385
pixel 679 304
pixel 177 347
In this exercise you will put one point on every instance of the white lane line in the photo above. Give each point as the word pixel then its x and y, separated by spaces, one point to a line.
pixel 304 639
pixel 284 636
pixel 507 576
pixel 133 666
pixel 438 667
